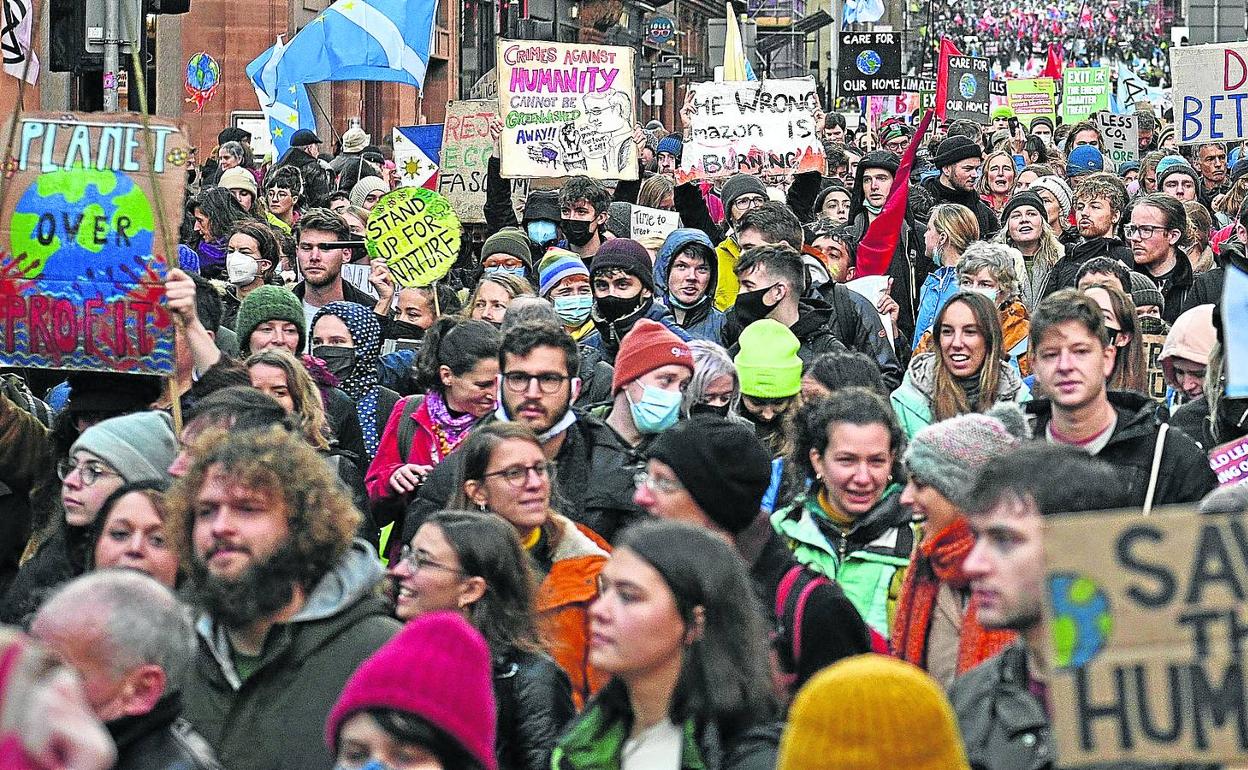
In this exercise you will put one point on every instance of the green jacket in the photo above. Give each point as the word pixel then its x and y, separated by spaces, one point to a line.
pixel 589 745
pixel 868 561
pixel 275 719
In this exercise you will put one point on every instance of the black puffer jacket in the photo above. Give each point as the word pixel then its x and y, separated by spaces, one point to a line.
pixel 593 476
pixel 1066 269
pixel 595 374
pixel 316 177
pixel 161 740
pixel 984 215
pixel 534 700
pixel 1184 476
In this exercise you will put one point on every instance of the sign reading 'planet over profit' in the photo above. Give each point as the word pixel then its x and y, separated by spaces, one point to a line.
pixel 91 208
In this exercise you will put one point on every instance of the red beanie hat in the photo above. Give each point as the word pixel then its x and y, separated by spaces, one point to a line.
pixel 648 346
pixel 437 668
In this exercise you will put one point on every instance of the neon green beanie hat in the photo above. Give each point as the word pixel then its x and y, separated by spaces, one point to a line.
pixel 768 365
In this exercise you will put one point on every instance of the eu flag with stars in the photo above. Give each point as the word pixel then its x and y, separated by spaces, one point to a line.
pixel 380 40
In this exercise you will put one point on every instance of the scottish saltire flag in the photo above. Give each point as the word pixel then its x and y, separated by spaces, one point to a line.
pixel 857 11
pixel 386 40
pixel 418 155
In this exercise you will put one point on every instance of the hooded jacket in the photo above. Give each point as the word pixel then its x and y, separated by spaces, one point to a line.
pixel 275 719
pixel 815 330
pixel 1184 476
pixel 703 321
pixel 938 287
pixel 562 604
pixel 317 183
pixel 988 223
pixel 913 400
pixel 868 560
pixel 1066 271
pixel 909 268
pixel 1191 337
pixel 728 253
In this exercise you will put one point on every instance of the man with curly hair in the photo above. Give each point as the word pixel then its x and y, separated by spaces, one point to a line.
pixel 285 595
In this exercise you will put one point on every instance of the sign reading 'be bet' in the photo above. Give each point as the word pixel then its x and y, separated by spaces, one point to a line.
pixel 1211 86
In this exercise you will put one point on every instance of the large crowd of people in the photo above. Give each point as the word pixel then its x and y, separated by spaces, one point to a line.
pixel 701 500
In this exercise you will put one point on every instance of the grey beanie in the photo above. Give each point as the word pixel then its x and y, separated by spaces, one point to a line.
pixel 139 446
pixel 949 454
pixel 737 185
pixel 366 186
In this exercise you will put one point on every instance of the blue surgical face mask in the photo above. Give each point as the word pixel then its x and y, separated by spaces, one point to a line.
pixel 541 231
pixel 573 311
pixel 499 269
pixel 373 764
pixel 657 410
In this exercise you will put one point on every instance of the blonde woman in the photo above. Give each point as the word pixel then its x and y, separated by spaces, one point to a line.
pixel 1025 226
pixel 996 183
pixel 950 229
pixel 279 375
pixel 493 295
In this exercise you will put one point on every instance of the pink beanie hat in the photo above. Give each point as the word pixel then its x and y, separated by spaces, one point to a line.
pixel 438 668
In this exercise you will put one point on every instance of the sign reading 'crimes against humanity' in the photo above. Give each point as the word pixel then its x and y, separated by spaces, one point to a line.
pixel 83 254
pixel 1147 619
pixel 754 127
pixel 567 109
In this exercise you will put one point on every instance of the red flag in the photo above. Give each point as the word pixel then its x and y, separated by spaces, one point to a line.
pixel 947 49
pixel 1053 67
pixel 875 251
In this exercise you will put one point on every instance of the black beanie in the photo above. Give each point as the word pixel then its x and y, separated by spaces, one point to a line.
pixel 721 463
pixel 1024 198
pixel 880 159
pixel 955 149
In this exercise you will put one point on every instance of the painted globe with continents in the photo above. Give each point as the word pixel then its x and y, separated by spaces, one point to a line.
pixel 203 72
pixel 1082 621
pixel 83 226
pixel 868 62
pixel 968 85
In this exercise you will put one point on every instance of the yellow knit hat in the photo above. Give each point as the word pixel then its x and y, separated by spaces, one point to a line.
pixel 872 712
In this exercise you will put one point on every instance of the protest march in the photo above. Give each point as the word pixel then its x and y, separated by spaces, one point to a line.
pixel 412 385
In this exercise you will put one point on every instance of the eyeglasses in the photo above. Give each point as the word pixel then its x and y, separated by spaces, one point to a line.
pixel 898 145
pixel 749 201
pixel 517 475
pixel 548 383
pixel 89 471
pixel 1144 231
pixel 666 486
pixel 417 561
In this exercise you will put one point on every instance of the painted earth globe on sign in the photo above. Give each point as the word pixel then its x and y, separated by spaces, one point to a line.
pixel 1082 621
pixel 203 72
pixel 83 226
pixel 968 85
pixel 868 62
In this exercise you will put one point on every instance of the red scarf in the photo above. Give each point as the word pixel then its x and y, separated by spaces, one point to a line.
pixel 938 561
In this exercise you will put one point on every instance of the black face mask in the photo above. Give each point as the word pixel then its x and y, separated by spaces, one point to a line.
pixel 576 231
pixel 402 330
pixel 338 360
pixel 612 309
pixel 1150 325
pixel 718 411
pixel 750 306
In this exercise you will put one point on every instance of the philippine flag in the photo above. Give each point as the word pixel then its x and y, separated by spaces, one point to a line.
pixel 417 155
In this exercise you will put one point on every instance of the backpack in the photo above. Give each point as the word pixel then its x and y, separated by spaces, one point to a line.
pixel 407 426
pixel 791 596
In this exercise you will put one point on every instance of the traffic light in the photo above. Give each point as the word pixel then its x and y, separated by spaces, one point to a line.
pixel 169 6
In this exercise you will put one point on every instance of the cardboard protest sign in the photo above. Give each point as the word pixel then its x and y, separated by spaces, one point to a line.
pixel 1229 462
pixel 752 127
pixel 652 223
pixel 967 94
pixel 466 151
pixel 416 232
pixel 1153 343
pixel 1085 90
pixel 91 209
pixel 1213 82
pixel 1032 98
pixel 869 64
pixel 1146 616
pixel 417 155
pixel 1121 136
pixel 567 108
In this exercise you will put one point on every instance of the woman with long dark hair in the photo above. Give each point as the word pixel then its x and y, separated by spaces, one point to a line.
pixel 677 630
pixel 965 373
pixel 216 211
pixel 473 564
